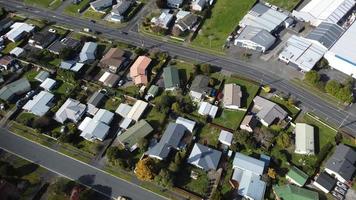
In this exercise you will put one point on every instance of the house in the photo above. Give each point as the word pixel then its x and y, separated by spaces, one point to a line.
pixel 134 134
pixel 174 3
pixel 88 52
pixel 71 110
pixel 255 38
pixel 123 110
pixel 42 40
pixel 138 71
pixel 247 173
pixel 198 5
pixel 204 157
pixel 77 67
pixel 113 60
pixel 18 31
pixel 302 53
pixel 39 104
pixel 96 128
pixel 18 87
pixel 95 102
pixel 125 123
pixel 137 110
pixel 187 23
pixel 6 62
pixel 118 11
pixel 232 96
pixel 17 52
pixel 297 176
pixel 324 182
pixel 207 109
pixel 5 23
pixel 318 11
pixel 225 137
pixel 188 124
pixel 66 43
pixel 163 21
pixel 292 192
pixel 264 17
pixel 171 78
pixel 268 111
pixel 200 88
pixel 109 79
pixel 48 84
pixel 42 76
pixel 341 164
pixel 152 92
pixel 67 64
pixel 304 139
pixel 248 123
pixel 101 5
pixel 171 139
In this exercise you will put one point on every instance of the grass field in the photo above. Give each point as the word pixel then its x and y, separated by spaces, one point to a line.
pixel 39 23
pixel 230 118
pixel 225 16
pixel 285 4
pixel 292 111
pixel 51 4
pixel 11 45
pixel 92 14
pixel 72 9
pixel 209 135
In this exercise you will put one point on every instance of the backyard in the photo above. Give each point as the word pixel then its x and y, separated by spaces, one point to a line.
pixel 209 135
pixel 230 118
pixel 291 109
pixel 285 4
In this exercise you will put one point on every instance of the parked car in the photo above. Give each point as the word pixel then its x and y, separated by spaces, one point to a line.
pixel 121 83
pixel 30 94
pixel 342 185
pixel 340 190
pixel 337 195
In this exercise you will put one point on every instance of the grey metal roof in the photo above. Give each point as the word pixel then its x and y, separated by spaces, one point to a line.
pixel 20 86
pixel 42 76
pixel 121 7
pixel 71 109
pixel 326 33
pixel 248 163
pixel 104 116
pixel 96 98
pixel 200 84
pixel 204 157
pixel 326 181
pixel 88 51
pixel 268 110
pixel 39 105
pixel 250 184
pixel 342 161
pixel 258 36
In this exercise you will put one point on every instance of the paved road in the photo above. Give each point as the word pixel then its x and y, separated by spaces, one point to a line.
pixel 310 102
pixel 68 167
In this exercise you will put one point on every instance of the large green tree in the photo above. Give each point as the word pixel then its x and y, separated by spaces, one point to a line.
pixel 312 77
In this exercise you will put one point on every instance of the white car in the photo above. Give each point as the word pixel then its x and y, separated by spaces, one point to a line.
pixel 337 195
pixel 342 185
pixel 52 30
pixel 340 190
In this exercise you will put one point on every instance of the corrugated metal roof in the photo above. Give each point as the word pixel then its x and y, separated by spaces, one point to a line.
pixel 39 105
pixel 304 139
pixel 248 163
pixel 326 34
pixel 204 157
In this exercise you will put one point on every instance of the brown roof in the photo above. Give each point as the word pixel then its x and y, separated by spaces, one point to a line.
pixel 5 61
pixel 138 69
pixel 114 57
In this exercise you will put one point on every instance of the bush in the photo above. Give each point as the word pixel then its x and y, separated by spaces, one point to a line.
pixel 332 87
pixel 312 77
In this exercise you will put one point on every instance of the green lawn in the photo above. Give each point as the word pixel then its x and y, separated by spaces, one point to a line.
pixel 51 4
pixel 72 9
pixel 112 104
pixel 230 118
pixel 64 89
pixel 92 14
pixel 292 110
pixel 11 45
pixel 156 119
pixel 37 22
pixel 199 186
pixel 209 135
pixel 225 16
pixel 30 75
pixel 185 69
pixel 285 4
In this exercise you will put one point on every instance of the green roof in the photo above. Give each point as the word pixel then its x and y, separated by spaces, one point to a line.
pixel 297 175
pixel 153 90
pixel 140 130
pixel 171 77
pixel 292 192
pixel 17 87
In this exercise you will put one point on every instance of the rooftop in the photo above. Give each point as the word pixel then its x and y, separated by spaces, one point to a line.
pixel 204 157
pixel 136 132
pixel 39 105
pixel 294 192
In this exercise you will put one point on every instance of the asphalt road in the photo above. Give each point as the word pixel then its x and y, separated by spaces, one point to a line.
pixel 100 181
pixel 310 102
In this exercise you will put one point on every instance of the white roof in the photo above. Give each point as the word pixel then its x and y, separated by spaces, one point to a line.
pixel 304 139
pixel 248 163
pixel 88 51
pixel 17 51
pixel 104 116
pixel 94 130
pixel 125 123
pixel 208 109
pixel 123 110
pixel 17 29
pixel 104 77
pixel 137 110
pixel 225 137
pixel 189 124
pixel 181 14
pixel 303 52
pixel 250 184
pixel 48 84
pixel 77 67
pixel 163 20
pixel 39 104
pixel 84 123
pixel 72 110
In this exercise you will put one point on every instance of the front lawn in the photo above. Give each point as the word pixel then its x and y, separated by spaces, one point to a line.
pixel 51 4
pixel 225 16
pixel 73 9
pixel 291 109
pixel 11 45
pixel 92 14
pixel 37 22
pixel 230 118
pixel 285 4
pixel 199 186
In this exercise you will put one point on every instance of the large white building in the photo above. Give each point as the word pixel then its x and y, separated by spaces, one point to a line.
pixel 304 139
pixel 318 11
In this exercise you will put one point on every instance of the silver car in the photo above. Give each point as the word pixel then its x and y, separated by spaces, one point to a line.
pixel 342 185
pixel 337 196
pixel 340 190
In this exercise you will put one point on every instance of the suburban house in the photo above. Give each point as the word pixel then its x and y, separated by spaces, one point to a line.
pixel 42 76
pixel 123 110
pixel 42 40
pixel 207 109
pixel 232 96
pixel 18 87
pixel 17 52
pixel 247 174
pixel 268 111
pixel 171 139
pixel 132 112
pixel 152 92
pixel 187 23
pixel 66 43
pixel 304 139
pixel 113 60
pixel 248 123
pixel 297 176
pixel 5 23
pixel 39 104
pixel 95 102
pixel 118 11
pixel 18 31
pixel 204 157
pixel 292 192
pixel 255 38
pixel 198 5
pixel 134 134
pixel 200 88
pixel 324 182
pixel 6 62
pixel 225 137
pixel 163 21
pixel 341 164
pixel 96 128
pixel 171 78
pixel 138 71
pixel 48 84
pixel 174 3
pixel 88 52
pixel 109 79
pixel 71 110
pixel 71 65
pixel 101 5
pixel 189 124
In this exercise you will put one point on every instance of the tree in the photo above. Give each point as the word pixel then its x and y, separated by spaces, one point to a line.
pixel 271 173
pixel 164 178
pixel 332 87
pixel 338 138
pixel 165 102
pixel 216 195
pixel 206 69
pixel 62 185
pixel 176 107
pixel 213 82
pixel 112 154
pixel 161 3
pixel 345 94
pixel 145 170
pixel 67 54
pixel 143 144
pixel 283 140
pixel 312 77
pixel 42 123
pixel 196 69
pixel 173 167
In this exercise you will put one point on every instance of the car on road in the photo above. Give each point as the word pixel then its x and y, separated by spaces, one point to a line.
pixel 52 30
pixel 342 185
pixel 124 32
pixel 340 190
pixel 337 195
